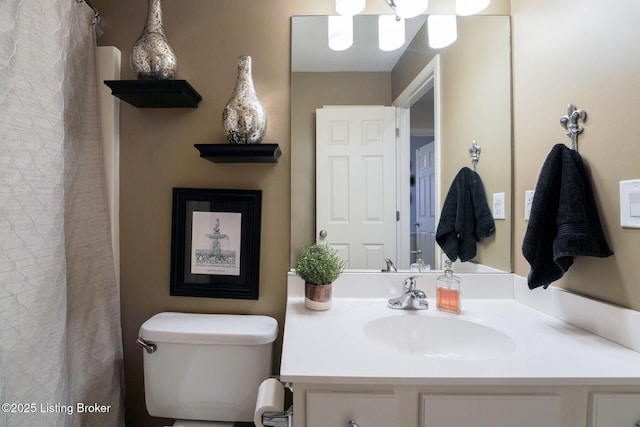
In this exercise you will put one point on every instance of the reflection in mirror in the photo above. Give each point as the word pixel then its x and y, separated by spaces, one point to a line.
pixel 468 98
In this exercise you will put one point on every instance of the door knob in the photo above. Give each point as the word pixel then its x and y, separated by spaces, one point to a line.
pixel 323 234
pixel 353 424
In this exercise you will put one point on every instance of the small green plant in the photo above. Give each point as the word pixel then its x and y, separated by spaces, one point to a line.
pixel 319 264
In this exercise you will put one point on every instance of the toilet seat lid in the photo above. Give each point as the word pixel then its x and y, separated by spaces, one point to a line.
pixel 192 328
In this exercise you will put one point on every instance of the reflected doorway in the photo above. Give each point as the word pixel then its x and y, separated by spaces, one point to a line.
pixel 423 208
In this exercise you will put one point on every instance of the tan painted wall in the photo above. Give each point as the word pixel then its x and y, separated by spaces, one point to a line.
pixel 475 85
pixel 476 106
pixel 584 52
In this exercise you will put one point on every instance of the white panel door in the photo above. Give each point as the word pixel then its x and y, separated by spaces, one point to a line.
pixel 425 203
pixel 356 183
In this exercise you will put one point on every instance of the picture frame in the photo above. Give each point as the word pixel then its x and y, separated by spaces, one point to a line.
pixel 215 243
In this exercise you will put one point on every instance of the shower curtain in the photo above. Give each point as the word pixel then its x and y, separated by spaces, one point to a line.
pixel 60 335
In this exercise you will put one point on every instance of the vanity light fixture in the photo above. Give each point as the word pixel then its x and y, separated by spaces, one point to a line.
pixel 442 30
pixel 390 32
pixel 470 7
pixel 349 7
pixel 340 32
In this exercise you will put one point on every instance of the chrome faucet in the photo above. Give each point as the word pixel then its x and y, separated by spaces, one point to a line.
pixel 390 267
pixel 411 298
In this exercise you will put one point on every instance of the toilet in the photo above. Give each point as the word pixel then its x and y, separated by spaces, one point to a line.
pixel 205 369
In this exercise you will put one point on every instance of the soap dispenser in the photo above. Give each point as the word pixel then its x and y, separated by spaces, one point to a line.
pixel 419 265
pixel 448 290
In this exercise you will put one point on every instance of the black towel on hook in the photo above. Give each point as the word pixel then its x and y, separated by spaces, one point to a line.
pixel 564 220
pixel 465 218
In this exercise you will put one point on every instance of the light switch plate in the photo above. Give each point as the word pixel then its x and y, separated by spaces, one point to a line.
pixel 528 201
pixel 630 203
pixel 498 206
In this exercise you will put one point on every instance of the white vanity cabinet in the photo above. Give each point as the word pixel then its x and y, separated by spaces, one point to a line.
pixel 615 410
pixel 388 405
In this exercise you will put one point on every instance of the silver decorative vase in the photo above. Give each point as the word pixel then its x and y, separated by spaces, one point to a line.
pixel 244 119
pixel 152 58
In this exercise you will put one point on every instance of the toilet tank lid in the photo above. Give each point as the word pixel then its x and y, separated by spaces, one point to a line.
pixel 192 328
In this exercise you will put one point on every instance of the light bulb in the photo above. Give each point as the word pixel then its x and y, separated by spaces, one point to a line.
pixel 410 8
pixel 349 7
pixel 390 32
pixel 340 32
pixel 442 30
pixel 470 7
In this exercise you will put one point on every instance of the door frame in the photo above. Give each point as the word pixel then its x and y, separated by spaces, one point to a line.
pixel 428 78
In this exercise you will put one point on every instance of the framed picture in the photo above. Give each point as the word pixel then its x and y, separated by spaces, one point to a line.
pixel 215 243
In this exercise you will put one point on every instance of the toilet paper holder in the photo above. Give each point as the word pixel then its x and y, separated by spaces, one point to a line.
pixel 270 404
pixel 278 419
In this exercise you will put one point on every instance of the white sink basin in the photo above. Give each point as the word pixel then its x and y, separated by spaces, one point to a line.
pixel 439 337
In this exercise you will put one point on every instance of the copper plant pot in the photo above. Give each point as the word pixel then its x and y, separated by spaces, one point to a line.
pixel 317 297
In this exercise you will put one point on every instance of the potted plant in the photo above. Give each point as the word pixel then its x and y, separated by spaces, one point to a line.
pixel 318 265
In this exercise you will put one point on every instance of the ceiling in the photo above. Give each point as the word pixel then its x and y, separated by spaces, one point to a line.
pixel 310 50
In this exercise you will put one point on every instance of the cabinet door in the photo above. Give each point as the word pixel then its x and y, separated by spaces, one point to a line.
pixel 615 410
pixel 490 410
pixel 330 409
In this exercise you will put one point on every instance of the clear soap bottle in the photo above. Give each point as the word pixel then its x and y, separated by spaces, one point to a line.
pixel 419 265
pixel 448 290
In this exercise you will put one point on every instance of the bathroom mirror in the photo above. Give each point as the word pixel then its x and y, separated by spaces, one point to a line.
pixel 470 100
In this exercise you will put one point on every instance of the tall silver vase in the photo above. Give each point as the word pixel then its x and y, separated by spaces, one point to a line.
pixel 152 58
pixel 244 119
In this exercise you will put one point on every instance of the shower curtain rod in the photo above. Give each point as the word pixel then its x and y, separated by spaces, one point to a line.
pixel 98 16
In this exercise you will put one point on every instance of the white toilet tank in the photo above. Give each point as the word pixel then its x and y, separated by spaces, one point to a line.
pixel 206 366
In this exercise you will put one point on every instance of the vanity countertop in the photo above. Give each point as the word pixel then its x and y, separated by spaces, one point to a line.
pixel 331 347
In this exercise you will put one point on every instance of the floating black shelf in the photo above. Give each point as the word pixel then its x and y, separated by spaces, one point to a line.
pixel 240 153
pixel 155 93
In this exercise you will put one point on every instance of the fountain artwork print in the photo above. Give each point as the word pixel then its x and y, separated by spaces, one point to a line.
pixel 216 243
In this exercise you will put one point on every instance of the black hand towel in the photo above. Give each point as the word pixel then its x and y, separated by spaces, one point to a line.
pixel 564 220
pixel 465 218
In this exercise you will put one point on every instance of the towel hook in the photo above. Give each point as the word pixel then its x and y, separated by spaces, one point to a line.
pixel 571 124
pixel 474 152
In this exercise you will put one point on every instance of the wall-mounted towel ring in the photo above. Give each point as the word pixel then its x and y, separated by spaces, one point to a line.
pixel 571 124
pixel 474 152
